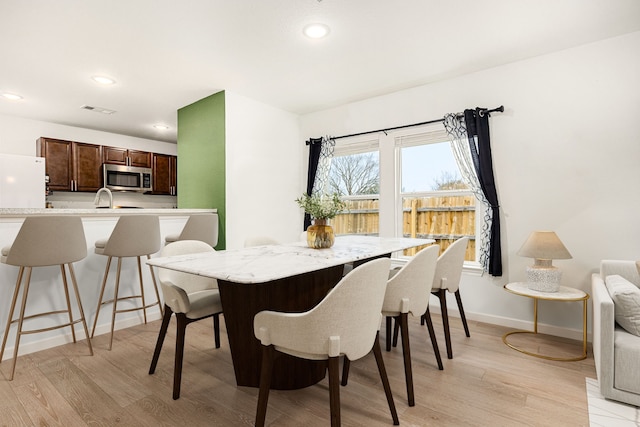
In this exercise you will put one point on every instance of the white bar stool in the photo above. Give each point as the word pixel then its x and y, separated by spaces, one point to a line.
pixel 202 227
pixel 45 241
pixel 133 236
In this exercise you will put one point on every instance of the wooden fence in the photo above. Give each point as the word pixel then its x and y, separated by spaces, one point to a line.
pixel 444 219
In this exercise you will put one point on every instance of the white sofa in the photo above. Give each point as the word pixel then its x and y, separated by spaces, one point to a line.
pixel 616 351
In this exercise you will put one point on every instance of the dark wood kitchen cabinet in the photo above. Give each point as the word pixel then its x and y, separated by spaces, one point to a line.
pixel 165 174
pixel 71 166
pixel 125 157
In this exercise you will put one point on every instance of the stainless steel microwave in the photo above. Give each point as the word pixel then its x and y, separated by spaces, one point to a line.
pixel 127 178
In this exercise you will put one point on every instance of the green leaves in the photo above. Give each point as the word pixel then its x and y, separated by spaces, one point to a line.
pixel 321 206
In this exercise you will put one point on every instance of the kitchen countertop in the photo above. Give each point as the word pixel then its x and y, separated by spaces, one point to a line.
pixel 100 212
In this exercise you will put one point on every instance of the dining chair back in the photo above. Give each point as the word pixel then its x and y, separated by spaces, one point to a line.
pixel 447 278
pixel 345 323
pixel 408 291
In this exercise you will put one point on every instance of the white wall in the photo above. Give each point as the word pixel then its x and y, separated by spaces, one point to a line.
pixel 264 172
pixel 566 157
pixel 18 136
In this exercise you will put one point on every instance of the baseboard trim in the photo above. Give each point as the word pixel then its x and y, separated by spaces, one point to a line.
pixel 543 328
pixel 51 342
pixel 66 338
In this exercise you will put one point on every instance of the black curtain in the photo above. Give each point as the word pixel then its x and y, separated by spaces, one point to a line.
pixel 477 122
pixel 315 148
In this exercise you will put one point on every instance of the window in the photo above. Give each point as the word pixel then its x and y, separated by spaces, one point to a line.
pixel 403 183
pixel 354 174
pixel 434 200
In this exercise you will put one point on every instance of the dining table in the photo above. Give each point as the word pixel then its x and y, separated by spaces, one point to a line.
pixel 288 277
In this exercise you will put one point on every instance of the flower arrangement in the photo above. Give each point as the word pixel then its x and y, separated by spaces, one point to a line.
pixel 321 206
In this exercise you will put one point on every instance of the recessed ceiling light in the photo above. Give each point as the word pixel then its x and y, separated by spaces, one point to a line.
pixel 161 127
pixel 315 31
pixel 103 80
pixel 11 96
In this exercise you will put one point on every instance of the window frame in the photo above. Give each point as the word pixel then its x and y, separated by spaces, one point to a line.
pixel 389 145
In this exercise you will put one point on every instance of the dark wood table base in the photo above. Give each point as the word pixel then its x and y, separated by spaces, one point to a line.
pixel 241 302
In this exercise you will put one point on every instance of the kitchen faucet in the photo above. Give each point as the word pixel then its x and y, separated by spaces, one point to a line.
pixel 99 193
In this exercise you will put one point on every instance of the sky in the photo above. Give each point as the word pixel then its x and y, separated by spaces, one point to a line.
pixel 423 164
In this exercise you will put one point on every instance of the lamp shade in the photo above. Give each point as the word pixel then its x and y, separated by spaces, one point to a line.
pixel 544 245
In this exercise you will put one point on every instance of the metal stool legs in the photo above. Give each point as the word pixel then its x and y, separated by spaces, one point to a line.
pixel 22 317
pixel 117 298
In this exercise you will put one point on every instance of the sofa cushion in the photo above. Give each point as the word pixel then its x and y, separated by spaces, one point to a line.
pixel 626 300
pixel 627 354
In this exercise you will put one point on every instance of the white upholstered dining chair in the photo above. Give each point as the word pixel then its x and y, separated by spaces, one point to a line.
pixel 191 298
pixel 345 323
pixel 408 291
pixel 447 278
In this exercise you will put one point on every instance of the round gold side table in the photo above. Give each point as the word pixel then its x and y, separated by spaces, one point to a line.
pixel 564 294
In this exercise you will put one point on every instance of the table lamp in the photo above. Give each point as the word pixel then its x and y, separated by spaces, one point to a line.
pixel 544 247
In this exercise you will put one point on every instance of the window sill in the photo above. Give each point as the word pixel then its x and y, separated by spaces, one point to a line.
pixel 472 268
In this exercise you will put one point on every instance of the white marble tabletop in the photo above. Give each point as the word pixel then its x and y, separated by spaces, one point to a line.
pixel 261 264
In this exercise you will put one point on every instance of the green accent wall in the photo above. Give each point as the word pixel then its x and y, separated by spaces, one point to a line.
pixel 201 158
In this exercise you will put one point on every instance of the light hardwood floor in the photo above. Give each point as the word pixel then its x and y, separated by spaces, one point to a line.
pixel 485 384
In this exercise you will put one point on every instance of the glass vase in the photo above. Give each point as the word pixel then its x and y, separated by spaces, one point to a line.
pixel 320 234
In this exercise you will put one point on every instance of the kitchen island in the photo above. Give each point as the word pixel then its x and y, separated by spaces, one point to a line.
pixel 100 212
pixel 98 224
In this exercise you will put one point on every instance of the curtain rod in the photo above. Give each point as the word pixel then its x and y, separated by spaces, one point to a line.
pixel 499 109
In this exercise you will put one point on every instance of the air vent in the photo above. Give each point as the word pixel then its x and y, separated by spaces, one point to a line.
pixel 98 109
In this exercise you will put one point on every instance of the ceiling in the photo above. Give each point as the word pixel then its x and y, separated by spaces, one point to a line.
pixel 166 54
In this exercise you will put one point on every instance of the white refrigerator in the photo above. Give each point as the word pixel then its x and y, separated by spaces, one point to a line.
pixel 22 182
